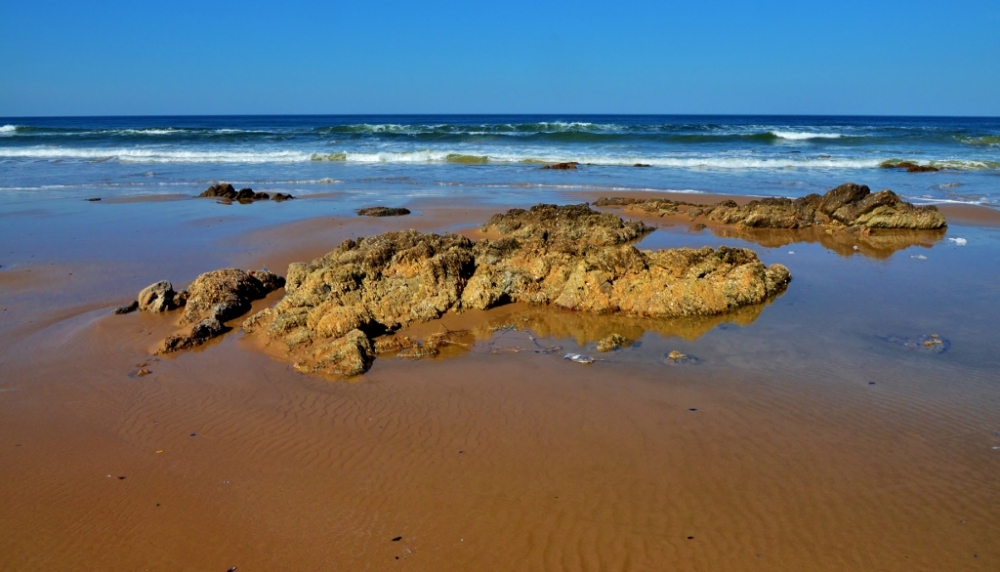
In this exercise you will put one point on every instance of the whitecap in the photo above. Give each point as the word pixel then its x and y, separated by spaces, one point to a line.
pixel 959 241
pixel 8 129
pixel 803 135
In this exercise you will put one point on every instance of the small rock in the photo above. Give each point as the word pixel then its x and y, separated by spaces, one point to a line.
pixel 641 165
pixel 94 199
pixel 932 343
pixel 158 297
pixel 142 373
pixel 397 539
pixel 127 308
pixel 579 358
pixel 676 358
pixel 383 211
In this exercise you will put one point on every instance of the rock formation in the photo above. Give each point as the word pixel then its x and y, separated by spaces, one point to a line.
pixel 909 166
pixel 227 194
pixel 570 166
pixel 848 207
pixel 338 307
pixel 383 211
pixel 213 298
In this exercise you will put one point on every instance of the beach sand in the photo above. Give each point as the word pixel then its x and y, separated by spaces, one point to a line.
pixel 807 438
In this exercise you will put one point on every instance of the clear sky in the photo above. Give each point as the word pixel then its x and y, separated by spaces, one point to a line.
pixel 62 57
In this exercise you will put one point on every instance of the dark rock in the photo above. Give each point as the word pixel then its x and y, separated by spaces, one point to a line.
pixel 842 195
pixel 198 335
pixel 383 211
pixel 909 166
pixel 244 196
pixel 220 191
pixel 227 194
pixel 570 166
pixel 128 308
pixel 642 165
pixel 94 199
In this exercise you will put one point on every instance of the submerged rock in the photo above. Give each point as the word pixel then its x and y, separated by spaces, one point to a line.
pixel 909 166
pixel 569 166
pixel 613 342
pixel 848 207
pixel 932 343
pixel 570 257
pixel 383 211
pixel 677 358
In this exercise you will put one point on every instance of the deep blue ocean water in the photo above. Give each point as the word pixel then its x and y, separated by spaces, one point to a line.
pixel 491 157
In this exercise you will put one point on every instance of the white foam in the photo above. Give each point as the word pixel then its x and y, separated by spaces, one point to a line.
pixel 8 129
pixel 802 135
pixel 153 155
pixel 257 155
pixel 959 241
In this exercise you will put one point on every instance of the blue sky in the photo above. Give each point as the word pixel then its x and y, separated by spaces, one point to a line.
pixel 714 56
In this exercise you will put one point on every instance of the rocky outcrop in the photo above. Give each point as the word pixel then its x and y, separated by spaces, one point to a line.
pixel 227 293
pixel 227 194
pixel 337 308
pixel 213 298
pixel 216 297
pixel 909 166
pixel 383 211
pixel 570 223
pixel 848 207
pixel 569 166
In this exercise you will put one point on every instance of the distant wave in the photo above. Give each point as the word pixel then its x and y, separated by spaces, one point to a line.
pixel 986 141
pixel 152 155
pixel 8 129
pixel 803 135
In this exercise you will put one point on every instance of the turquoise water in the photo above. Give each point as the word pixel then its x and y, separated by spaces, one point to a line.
pixel 491 157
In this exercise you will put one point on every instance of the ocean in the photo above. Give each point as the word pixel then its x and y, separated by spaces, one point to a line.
pixel 494 157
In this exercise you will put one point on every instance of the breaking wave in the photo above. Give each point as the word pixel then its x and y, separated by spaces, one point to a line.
pixel 804 136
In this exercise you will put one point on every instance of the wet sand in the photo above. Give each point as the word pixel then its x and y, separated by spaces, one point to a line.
pixel 802 441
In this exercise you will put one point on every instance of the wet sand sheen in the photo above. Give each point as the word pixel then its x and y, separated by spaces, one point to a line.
pixel 481 462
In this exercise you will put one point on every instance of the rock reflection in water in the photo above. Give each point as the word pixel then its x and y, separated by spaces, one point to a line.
pixel 517 328
pixel 877 244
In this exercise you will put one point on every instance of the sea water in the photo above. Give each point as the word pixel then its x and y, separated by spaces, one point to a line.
pixel 494 157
